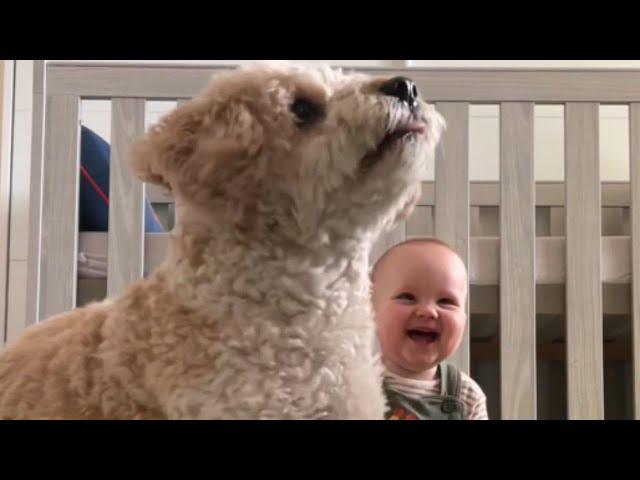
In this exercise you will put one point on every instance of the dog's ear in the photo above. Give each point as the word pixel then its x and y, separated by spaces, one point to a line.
pixel 157 155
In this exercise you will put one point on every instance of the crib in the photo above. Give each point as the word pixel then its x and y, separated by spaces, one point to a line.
pixel 554 300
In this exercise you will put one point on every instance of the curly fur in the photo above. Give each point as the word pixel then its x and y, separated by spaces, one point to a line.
pixel 261 309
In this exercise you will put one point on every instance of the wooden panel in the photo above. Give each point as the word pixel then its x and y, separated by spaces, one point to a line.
pixel 634 151
pixel 550 300
pixel 113 81
pixel 35 195
pixel 59 206
pixel 584 290
pixel 158 194
pixel 441 85
pixel 420 223
pixel 487 194
pixel 517 262
pixel 557 217
pixel 452 196
pixel 126 199
pixel 543 221
pixel 522 85
pixel 615 351
pixel 6 107
pixel 548 194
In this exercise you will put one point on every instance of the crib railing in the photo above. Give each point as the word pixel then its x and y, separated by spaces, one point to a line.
pixel 6 110
pixel 54 200
pixel 634 151
pixel 581 92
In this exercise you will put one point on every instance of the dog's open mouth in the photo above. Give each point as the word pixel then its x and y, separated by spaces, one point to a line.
pixel 423 337
pixel 391 138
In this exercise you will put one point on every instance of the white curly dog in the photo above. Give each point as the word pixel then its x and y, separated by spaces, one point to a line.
pixel 283 177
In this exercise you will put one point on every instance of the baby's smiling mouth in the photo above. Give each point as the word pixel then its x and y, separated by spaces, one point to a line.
pixel 423 337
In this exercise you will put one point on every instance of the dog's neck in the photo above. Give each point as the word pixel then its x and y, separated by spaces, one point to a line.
pixel 225 262
pixel 194 243
pixel 198 229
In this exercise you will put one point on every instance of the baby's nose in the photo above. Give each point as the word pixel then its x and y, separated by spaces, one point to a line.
pixel 427 310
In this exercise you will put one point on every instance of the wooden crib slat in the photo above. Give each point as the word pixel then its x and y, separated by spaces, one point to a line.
pixel 517 263
pixel 420 223
pixel 60 171
pixel 6 100
pixel 583 289
pixel 156 193
pixel 634 152
pixel 452 195
pixel 35 196
pixel 126 199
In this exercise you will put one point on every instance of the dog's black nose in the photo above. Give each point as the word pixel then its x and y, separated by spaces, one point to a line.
pixel 402 88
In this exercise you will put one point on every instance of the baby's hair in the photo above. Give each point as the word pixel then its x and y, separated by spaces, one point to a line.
pixel 422 240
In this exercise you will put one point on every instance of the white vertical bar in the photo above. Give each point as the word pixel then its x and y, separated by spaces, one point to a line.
pixel 452 195
pixel 6 137
pixel 60 171
pixel 585 382
pixel 517 263
pixel 634 151
pixel 126 199
pixel 35 194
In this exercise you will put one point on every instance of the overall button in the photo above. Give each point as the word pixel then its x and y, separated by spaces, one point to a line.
pixel 449 406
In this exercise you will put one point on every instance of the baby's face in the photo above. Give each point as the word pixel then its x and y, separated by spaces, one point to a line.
pixel 419 294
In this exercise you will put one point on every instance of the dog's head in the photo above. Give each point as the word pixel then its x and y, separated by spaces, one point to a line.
pixel 304 151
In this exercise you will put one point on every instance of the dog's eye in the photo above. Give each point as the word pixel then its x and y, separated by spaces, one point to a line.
pixel 306 112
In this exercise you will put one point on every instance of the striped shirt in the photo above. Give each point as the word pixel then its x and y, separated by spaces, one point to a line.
pixel 474 399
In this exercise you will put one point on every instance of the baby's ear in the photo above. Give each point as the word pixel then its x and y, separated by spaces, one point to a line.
pixel 159 154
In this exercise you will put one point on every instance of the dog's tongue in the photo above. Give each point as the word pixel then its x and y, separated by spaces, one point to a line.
pixel 422 336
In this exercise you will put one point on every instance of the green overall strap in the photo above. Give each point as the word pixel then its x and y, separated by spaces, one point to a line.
pixel 450 380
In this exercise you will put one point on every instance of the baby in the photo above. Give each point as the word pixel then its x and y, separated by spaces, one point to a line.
pixel 419 295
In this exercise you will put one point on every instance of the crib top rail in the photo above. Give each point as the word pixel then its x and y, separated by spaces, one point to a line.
pixel 162 81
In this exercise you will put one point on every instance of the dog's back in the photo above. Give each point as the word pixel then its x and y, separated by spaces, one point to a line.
pixel 60 369
pixel 48 373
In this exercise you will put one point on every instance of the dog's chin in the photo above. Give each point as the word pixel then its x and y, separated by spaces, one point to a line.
pixel 392 146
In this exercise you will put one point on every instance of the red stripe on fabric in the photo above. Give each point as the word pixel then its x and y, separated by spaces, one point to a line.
pixel 94 185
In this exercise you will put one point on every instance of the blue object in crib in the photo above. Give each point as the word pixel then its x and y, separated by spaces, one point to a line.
pixel 95 153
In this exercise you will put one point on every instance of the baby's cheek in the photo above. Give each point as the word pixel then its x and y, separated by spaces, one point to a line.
pixel 455 329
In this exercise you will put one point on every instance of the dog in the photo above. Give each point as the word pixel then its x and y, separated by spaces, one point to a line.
pixel 283 177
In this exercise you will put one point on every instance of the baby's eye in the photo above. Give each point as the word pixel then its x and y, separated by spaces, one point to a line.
pixel 406 296
pixel 448 302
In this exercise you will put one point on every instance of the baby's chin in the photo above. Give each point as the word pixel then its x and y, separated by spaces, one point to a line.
pixel 420 357
pixel 420 363
pixel 420 370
